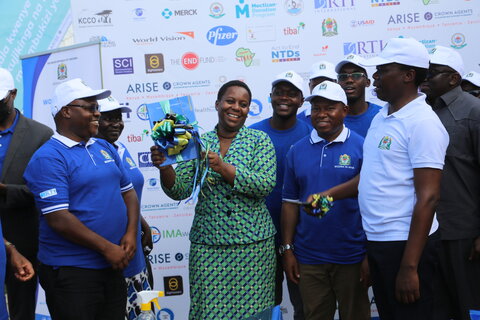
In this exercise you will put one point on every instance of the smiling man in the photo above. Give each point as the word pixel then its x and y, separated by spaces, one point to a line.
pixel 89 211
pixel 284 130
pixel 353 78
pixel 324 255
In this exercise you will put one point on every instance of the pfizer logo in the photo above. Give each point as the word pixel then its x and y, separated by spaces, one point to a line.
pixel 222 35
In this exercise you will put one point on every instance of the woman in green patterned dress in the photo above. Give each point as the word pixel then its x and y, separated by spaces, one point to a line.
pixel 232 259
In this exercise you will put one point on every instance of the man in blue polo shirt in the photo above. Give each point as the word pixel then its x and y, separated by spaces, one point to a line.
pixel 324 255
pixel 89 209
pixel 353 78
pixel 284 130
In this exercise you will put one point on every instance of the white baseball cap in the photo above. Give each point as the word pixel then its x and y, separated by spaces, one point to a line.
pixel 473 77
pixel 351 58
pixel 71 90
pixel 291 77
pixel 6 83
pixel 328 90
pixel 323 69
pixel 407 51
pixel 447 57
pixel 110 104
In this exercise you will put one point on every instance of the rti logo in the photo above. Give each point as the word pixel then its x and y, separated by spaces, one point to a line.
pixel 167 13
pixel 363 48
pixel 98 19
pixel 384 3
pixel 334 5
pixel 222 35
pixel 123 65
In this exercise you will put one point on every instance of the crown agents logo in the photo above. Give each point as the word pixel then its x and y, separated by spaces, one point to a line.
pixel 222 35
pixel 62 71
pixel 329 27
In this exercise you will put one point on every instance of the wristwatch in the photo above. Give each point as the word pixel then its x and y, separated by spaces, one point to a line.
pixel 285 247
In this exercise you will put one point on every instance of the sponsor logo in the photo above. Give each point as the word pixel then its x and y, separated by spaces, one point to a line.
pixel 154 63
pixel 385 143
pixel 245 55
pixel 288 31
pixel 384 3
pixel 48 193
pixel 173 285
pixel 285 53
pixel 186 84
pixel 158 234
pixel 362 23
pixel 329 27
pixel 429 44
pixel 144 160
pixel 190 61
pixel 334 5
pixel 404 18
pixel 428 16
pixel 216 10
pixel 142 112
pixel 143 87
pixel 255 9
pixel 159 206
pixel 62 71
pixel 139 14
pixel 256 108
pixel 367 48
pixel 323 52
pixel 222 35
pixel 105 42
pixel 458 41
pixel 98 19
pixel 261 33
pixel 167 13
pixel 344 160
pixel 107 156
pixel 427 2
pixel 152 184
pixel 294 7
pixel 165 314
pixel 453 13
pixel 123 65
pixel 133 138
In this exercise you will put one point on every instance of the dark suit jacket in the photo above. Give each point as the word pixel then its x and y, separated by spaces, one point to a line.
pixel 17 209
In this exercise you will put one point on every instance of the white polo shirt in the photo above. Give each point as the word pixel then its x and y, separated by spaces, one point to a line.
pixel 412 137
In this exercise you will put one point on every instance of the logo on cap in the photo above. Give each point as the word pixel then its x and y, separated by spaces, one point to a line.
pixel 322 66
pixel 323 86
pixel 350 57
pixel 469 75
pixel 288 75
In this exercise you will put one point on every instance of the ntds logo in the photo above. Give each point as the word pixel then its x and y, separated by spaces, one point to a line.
pixel 222 35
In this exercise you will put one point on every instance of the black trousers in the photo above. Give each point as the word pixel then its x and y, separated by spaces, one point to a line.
pixel 384 259
pixel 84 294
pixel 459 282
pixel 21 296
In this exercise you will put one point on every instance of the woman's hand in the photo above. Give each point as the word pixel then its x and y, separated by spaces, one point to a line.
pixel 158 157
pixel 215 162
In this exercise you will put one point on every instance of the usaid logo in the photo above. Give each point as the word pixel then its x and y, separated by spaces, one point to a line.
pixel 222 35
pixel 123 65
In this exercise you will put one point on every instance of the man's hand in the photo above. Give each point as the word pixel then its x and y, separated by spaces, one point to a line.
pixel 116 256
pixel 365 273
pixel 147 241
pixel 290 265
pixel 407 285
pixel 475 253
pixel 129 244
pixel 22 268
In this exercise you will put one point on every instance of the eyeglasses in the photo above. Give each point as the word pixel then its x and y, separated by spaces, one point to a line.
pixel 433 74
pixel 475 93
pixel 90 108
pixel 355 76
